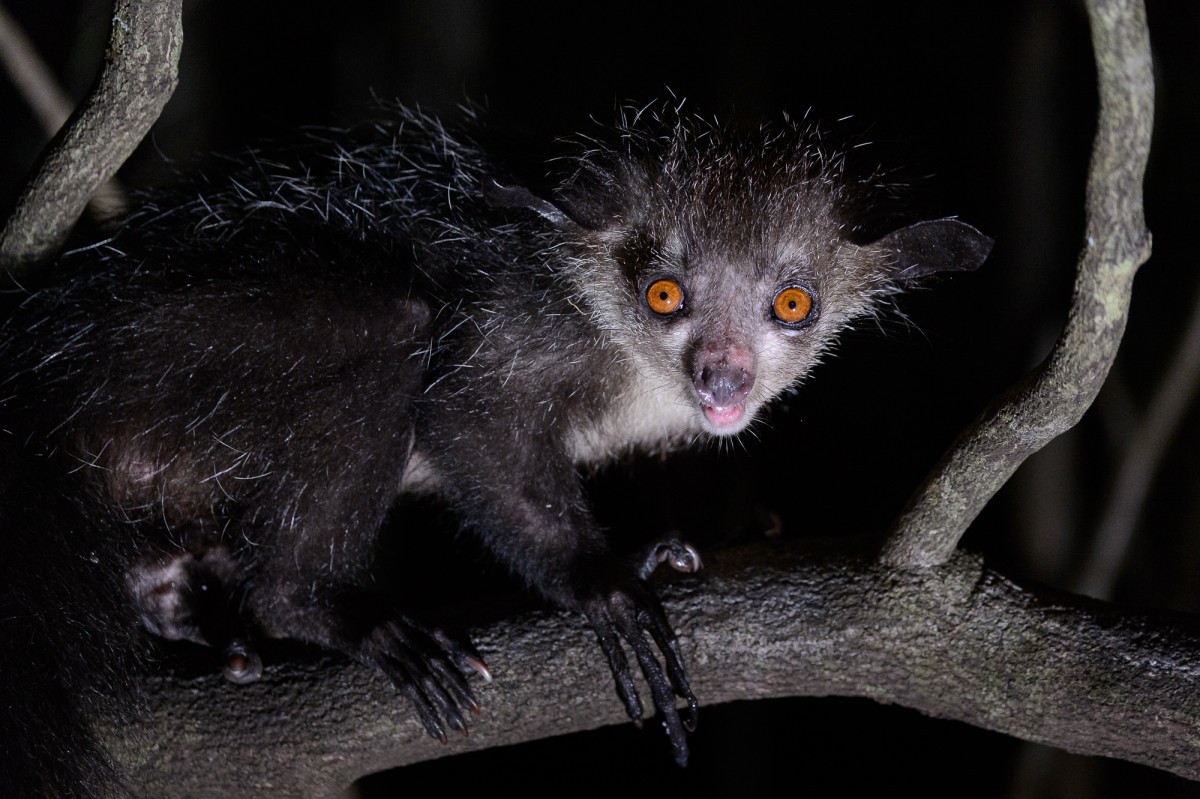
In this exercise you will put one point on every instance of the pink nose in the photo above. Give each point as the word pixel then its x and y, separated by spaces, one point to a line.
pixel 723 374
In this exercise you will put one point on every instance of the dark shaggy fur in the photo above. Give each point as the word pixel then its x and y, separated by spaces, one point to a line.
pixel 226 397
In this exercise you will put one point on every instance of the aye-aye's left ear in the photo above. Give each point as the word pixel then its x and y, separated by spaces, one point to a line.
pixel 936 245
pixel 576 211
pixel 497 195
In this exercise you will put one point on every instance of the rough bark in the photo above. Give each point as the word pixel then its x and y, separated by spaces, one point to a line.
pixel 141 67
pixel 959 641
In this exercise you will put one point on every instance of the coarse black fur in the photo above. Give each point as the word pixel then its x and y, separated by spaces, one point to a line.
pixel 227 396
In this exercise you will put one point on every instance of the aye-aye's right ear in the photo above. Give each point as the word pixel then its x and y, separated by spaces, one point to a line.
pixel 935 245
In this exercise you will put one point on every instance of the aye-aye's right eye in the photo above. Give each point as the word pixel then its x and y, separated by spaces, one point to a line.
pixel 664 296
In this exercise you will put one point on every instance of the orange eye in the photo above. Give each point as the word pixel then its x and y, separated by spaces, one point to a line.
pixel 792 305
pixel 664 296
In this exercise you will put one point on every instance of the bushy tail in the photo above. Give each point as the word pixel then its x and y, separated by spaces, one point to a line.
pixel 67 645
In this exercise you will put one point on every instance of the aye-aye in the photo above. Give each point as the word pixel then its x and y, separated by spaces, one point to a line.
pixel 207 416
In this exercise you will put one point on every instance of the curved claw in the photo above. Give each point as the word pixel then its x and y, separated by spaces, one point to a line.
pixel 664 636
pixel 243 664
pixel 617 663
pixel 627 613
pixel 675 552
pixel 429 669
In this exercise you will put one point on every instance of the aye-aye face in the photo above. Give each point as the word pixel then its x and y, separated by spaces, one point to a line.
pixel 727 328
pixel 723 281
pixel 721 266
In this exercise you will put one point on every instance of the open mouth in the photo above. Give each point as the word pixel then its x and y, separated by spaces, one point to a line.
pixel 727 419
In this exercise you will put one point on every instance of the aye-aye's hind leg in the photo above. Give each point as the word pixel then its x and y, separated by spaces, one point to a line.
pixel 307 578
pixel 425 664
pixel 196 595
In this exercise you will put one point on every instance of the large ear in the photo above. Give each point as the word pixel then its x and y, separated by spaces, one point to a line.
pixel 497 195
pixel 578 210
pixel 936 245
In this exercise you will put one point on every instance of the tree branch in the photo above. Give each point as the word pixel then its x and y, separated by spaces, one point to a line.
pixel 49 103
pixel 773 620
pixel 1053 398
pixel 956 641
pixel 141 68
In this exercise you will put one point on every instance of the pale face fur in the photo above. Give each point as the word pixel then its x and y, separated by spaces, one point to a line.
pixel 731 237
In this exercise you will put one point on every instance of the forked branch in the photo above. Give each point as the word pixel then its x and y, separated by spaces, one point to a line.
pixel 1054 396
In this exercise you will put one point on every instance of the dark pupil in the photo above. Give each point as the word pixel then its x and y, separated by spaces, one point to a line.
pixel 791 305
pixel 662 295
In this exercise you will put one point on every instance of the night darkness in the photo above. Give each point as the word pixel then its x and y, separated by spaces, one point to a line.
pixel 984 109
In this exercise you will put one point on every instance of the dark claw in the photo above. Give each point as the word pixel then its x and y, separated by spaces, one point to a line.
pixel 242 663
pixel 675 552
pixel 468 659
pixel 664 637
pixel 618 664
pixel 478 666
pixel 424 664
pixel 626 613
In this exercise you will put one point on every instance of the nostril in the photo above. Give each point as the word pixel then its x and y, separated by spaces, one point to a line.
pixel 722 384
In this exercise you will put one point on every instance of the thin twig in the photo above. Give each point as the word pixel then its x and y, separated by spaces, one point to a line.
pixel 1145 451
pixel 32 78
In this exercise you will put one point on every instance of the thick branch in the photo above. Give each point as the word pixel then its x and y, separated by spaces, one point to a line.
pixel 1052 398
pixel 956 641
pixel 140 71
pixel 48 102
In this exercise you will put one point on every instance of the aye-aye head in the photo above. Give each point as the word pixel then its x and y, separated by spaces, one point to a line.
pixel 723 263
